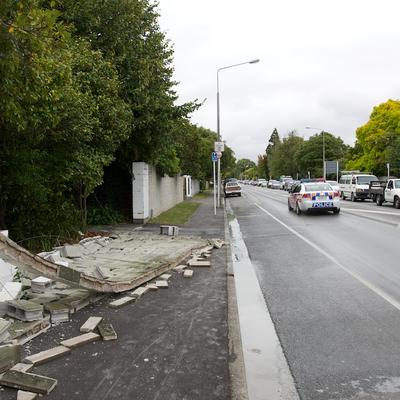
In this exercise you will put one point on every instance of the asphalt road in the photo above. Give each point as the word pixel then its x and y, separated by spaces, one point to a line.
pixel 332 287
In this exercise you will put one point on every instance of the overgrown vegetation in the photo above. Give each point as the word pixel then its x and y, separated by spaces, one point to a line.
pixel 85 84
pixel 177 215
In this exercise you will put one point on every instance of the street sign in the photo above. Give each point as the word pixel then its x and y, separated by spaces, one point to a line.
pixel 214 156
pixel 331 167
pixel 219 147
pixel 219 154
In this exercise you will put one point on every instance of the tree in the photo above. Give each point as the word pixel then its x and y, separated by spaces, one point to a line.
pixel 242 165
pixel 262 166
pixel 309 155
pixel 377 140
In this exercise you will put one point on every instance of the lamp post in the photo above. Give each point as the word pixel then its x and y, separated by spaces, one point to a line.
pixel 218 121
pixel 323 147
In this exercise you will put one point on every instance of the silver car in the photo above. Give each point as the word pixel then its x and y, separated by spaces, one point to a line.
pixel 313 196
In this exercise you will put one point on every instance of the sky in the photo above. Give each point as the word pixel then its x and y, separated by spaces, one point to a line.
pixel 323 64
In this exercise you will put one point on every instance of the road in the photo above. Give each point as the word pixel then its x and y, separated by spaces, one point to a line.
pixel 332 287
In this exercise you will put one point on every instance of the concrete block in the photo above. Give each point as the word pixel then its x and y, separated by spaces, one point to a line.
pixel 107 331
pixel 139 292
pixel 91 324
pixel 22 367
pixel 59 312
pixel 41 284
pixel 71 251
pixel 9 356
pixel 28 382
pixel 164 277
pixel 47 355
pixel 169 230
pixel 179 268
pixel 123 301
pixel 25 310
pixel 218 243
pixel 21 331
pixel 80 340
pixel 23 395
pixel 196 263
pixel 162 284
pixel 188 273
pixel 152 286
pixel 10 291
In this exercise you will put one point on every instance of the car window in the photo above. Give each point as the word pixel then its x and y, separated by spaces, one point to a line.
pixel 365 180
pixel 397 184
pixel 314 188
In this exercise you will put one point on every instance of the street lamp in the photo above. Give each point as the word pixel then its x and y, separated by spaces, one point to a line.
pixel 323 147
pixel 218 120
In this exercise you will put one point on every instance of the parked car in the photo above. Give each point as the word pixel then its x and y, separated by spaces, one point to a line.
pixel 273 184
pixel 232 188
pixel 355 185
pixel 262 182
pixel 313 196
pixel 385 191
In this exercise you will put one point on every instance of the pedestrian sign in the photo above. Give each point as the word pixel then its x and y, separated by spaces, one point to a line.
pixel 214 156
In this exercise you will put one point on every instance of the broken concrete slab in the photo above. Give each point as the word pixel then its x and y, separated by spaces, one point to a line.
pixel 218 243
pixel 9 356
pixel 22 332
pixel 47 355
pixel 162 284
pixel 164 277
pixel 188 273
pixel 28 382
pixel 139 292
pixel 23 395
pixel 123 301
pixel 152 286
pixel 170 230
pixel 134 258
pixel 76 299
pixel 71 251
pixel 25 310
pixel 196 263
pixel 4 334
pixel 107 331
pixel 11 291
pixel 59 312
pixel 22 367
pixel 80 340
pixel 91 324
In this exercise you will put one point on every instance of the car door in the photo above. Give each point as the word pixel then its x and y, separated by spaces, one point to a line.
pixel 389 191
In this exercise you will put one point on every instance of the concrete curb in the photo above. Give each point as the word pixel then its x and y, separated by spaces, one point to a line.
pixel 237 370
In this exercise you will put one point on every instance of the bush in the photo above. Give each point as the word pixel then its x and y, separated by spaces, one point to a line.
pixel 103 216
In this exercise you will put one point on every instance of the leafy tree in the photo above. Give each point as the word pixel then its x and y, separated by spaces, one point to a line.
pixel 377 140
pixel 309 155
pixel 242 165
pixel 262 166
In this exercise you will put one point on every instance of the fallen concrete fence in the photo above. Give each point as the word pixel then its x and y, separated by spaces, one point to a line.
pixel 179 249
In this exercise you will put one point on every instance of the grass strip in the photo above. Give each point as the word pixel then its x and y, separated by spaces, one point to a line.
pixel 177 215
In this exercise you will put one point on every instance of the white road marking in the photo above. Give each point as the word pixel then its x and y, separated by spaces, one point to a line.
pixel 370 211
pixel 366 283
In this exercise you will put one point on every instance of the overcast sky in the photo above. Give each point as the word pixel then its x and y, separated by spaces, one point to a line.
pixel 322 63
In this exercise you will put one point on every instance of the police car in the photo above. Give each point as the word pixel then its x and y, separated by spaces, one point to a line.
pixel 313 196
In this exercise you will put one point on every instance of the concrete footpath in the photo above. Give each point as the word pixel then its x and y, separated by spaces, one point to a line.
pixel 172 343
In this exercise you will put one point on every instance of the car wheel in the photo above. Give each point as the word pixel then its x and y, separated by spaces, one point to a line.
pixel 352 197
pixel 379 200
pixel 337 211
pixel 397 202
pixel 289 206
pixel 298 211
pixel 343 196
pixel 240 194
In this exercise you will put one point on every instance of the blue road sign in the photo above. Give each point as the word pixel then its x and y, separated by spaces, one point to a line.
pixel 214 156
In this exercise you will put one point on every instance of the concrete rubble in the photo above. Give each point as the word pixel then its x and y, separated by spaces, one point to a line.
pixel 55 285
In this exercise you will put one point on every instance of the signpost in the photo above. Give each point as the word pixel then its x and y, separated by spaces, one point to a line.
pixel 219 147
pixel 214 158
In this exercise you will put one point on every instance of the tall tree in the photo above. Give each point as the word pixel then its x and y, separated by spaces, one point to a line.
pixel 377 139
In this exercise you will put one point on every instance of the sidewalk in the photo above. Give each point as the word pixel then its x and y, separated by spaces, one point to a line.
pixel 172 343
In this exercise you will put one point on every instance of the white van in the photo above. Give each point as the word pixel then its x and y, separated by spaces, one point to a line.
pixel 355 185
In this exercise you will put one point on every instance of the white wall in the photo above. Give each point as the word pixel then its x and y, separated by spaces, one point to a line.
pixel 195 186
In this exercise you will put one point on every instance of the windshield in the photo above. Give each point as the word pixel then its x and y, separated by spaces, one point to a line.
pixel 365 180
pixel 332 183
pixel 318 187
